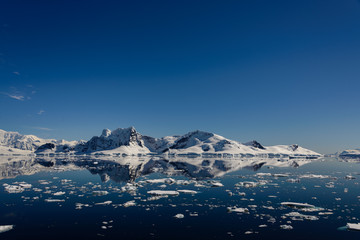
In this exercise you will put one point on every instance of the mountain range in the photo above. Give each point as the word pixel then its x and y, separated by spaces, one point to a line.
pixel 127 141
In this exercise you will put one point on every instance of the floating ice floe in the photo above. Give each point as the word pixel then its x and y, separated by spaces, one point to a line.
pixel 216 184
pixel 161 180
pixel 104 203
pixel 58 193
pixel 100 193
pixel 163 192
pixel 5 228
pixel 13 188
pixel 250 184
pixel 293 180
pixel 129 187
pixel 286 227
pixel 350 177
pixel 353 226
pixel 295 216
pixel 79 206
pixel 263 174
pixel 280 175
pixel 187 191
pixel 179 216
pixel 54 200
pixel 305 207
pixel 129 204
pixel 237 210
pixel 314 176
pixel 25 185
pixel 297 205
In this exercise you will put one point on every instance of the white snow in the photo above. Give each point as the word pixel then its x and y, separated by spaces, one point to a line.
pixel 179 216
pixel 13 188
pixel 5 228
pixel 238 210
pixel 297 205
pixel 353 226
pixel 163 192
pixel 187 191
pixel 104 203
pixel 128 141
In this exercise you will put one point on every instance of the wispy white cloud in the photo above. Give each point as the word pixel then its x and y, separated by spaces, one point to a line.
pixel 16 73
pixel 43 128
pixel 41 112
pixel 14 96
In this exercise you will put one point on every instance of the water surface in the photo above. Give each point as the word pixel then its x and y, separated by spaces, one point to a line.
pixel 108 198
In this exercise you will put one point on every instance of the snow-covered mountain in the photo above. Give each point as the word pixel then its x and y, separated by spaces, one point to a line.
pixel 121 140
pixel 13 143
pixel 350 153
pixel 129 142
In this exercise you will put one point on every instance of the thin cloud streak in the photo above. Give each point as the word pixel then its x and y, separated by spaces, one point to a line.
pixel 43 128
pixel 41 112
pixel 14 96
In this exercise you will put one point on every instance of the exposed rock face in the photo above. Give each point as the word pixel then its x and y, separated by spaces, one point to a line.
pixel 113 139
pixel 254 144
pixel 129 142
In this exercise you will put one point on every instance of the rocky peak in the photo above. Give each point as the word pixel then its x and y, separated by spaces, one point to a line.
pixel 254 144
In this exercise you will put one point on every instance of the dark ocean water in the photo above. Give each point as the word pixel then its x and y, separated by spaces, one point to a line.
pixel 324 183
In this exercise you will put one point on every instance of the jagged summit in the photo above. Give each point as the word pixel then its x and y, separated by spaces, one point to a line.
pixel 254 144
pixel 109 140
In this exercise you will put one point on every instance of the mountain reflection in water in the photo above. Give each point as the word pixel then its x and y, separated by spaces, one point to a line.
pixel 128 169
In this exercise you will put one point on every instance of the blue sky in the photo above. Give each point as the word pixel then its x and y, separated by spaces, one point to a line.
pixel 280 72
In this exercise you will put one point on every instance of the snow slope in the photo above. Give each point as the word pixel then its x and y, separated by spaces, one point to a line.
pixel 129 142
pixel 350 153
pixel 13 143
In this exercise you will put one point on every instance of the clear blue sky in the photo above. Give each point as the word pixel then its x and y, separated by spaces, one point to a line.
pixel 280 72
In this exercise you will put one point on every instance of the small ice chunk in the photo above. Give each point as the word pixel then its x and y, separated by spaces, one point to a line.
pixel 216 184
pixel 286 227
pixel 161 180
pixel 179 216
pixel 104 203
pixel 280 175
pixel 187 191
pixel 237 210
pixel 129 204
pixel 100 193
pixel 58 193
pixel 314 176
pixel 54 200
pixel 5 228
pixel 349 177
pixel 297 205
pixel 162 192
pixel 25 185
pixel 13 188
pixel 353 226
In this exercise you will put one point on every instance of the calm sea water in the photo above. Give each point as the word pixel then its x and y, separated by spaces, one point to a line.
pixel 109 198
